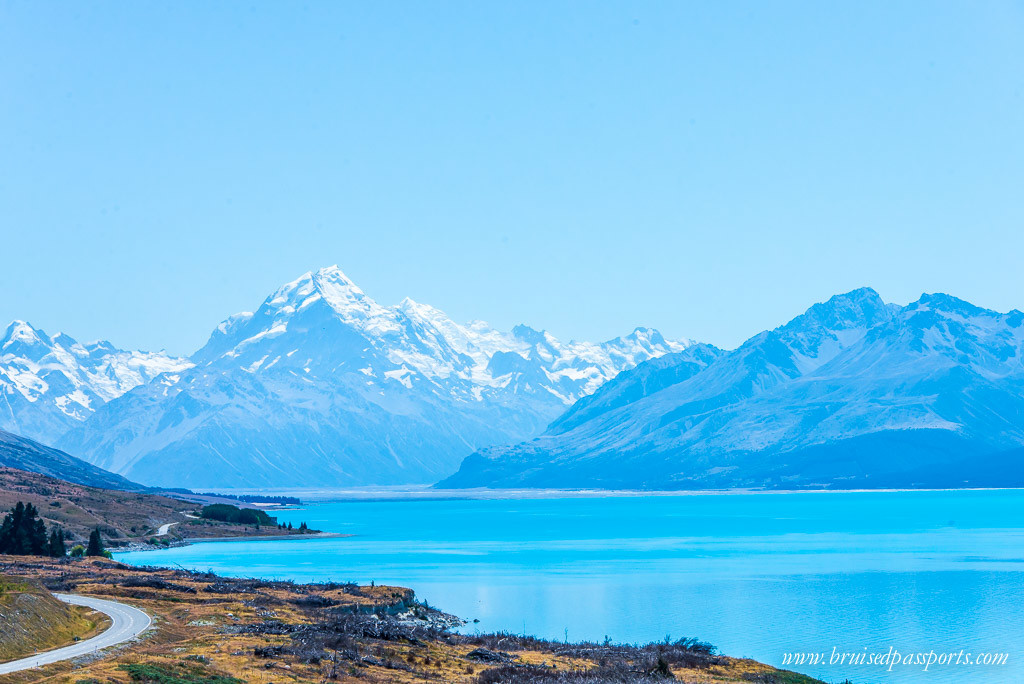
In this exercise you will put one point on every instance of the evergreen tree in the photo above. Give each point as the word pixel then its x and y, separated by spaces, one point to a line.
pixel 57 547
pixel 39 541
pixel 95 547
pixel 23 532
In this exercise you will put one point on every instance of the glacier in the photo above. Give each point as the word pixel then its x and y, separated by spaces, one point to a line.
pixel 323 386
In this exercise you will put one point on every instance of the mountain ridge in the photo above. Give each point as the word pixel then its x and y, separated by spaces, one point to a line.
pixel 25 454
pixel 323 384
pixel 938 376
pixel 49 384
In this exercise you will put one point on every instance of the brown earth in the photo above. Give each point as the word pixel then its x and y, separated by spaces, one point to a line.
pixel 216 630
pixel 32 620
pixel 123 517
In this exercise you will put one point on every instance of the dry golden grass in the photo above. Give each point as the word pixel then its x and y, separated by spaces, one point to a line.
pixel 211 630
pixel 32 620
pixel 123 517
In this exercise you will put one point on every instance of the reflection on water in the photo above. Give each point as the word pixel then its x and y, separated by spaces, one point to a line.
pixel 756 574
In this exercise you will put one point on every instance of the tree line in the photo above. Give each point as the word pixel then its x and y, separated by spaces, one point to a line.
pixel 245 516
pixel 23 533
pixel 234 514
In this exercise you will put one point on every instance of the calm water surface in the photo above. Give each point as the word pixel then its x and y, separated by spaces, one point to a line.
pixel 756 574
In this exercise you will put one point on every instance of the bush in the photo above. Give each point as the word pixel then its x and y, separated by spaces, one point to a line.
pixel 234 514
pixel 162 674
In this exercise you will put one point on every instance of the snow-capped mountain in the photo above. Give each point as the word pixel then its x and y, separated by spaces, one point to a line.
pixel 853 393
pixel 49 384
pixel 324 386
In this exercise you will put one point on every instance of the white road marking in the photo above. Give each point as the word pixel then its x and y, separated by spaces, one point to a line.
pixel 126 623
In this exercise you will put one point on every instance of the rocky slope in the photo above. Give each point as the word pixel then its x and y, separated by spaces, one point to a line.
pixel 853 393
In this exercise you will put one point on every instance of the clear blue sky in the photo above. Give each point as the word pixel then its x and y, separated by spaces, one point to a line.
pixel 709 169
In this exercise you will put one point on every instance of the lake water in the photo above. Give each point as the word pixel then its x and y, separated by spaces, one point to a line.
pixel 758 574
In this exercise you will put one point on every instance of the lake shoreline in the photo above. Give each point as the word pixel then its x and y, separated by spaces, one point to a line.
pixel 191 541
pixel 214 627
pixel 755 575
pixel 426 493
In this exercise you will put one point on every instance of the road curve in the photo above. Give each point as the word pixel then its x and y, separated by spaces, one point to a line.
pixel 127 623
pixel 164 529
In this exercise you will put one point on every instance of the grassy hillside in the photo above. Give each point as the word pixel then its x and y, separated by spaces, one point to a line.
pixel 123 517
pixel 31 619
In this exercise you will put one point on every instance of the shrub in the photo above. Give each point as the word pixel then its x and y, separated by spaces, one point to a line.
pixel 152 673
pixel 234 514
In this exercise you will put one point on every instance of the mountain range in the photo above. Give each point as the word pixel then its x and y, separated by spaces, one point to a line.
pixel 323 386
pixel 49 384
pixel 852 393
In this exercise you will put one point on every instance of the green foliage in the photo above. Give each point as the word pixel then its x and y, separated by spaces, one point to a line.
pixel 234 514
pixel 23 533
pixel 95 547
pixel 7 585
pixel 152 673
pixel 77 551
pixel 58 549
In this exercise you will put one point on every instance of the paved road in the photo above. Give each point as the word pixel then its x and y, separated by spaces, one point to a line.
pixel 164 529
pixel 128 623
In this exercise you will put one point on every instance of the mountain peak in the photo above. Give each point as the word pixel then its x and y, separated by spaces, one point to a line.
pixel 860 308
pixel 940 301
pixel 328 284
pixel 650 335
pixel 852 393
pixel 23 329
pixel 528 334
pixel 22 334
pixel 333 274
pixel 414 309
pixel 56 382
pixel 862 296
pixel 323 375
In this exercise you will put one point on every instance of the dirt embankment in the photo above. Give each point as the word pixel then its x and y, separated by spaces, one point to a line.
pixel 32 620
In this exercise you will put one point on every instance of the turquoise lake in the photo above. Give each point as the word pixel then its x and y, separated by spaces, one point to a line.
pixel 758 575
